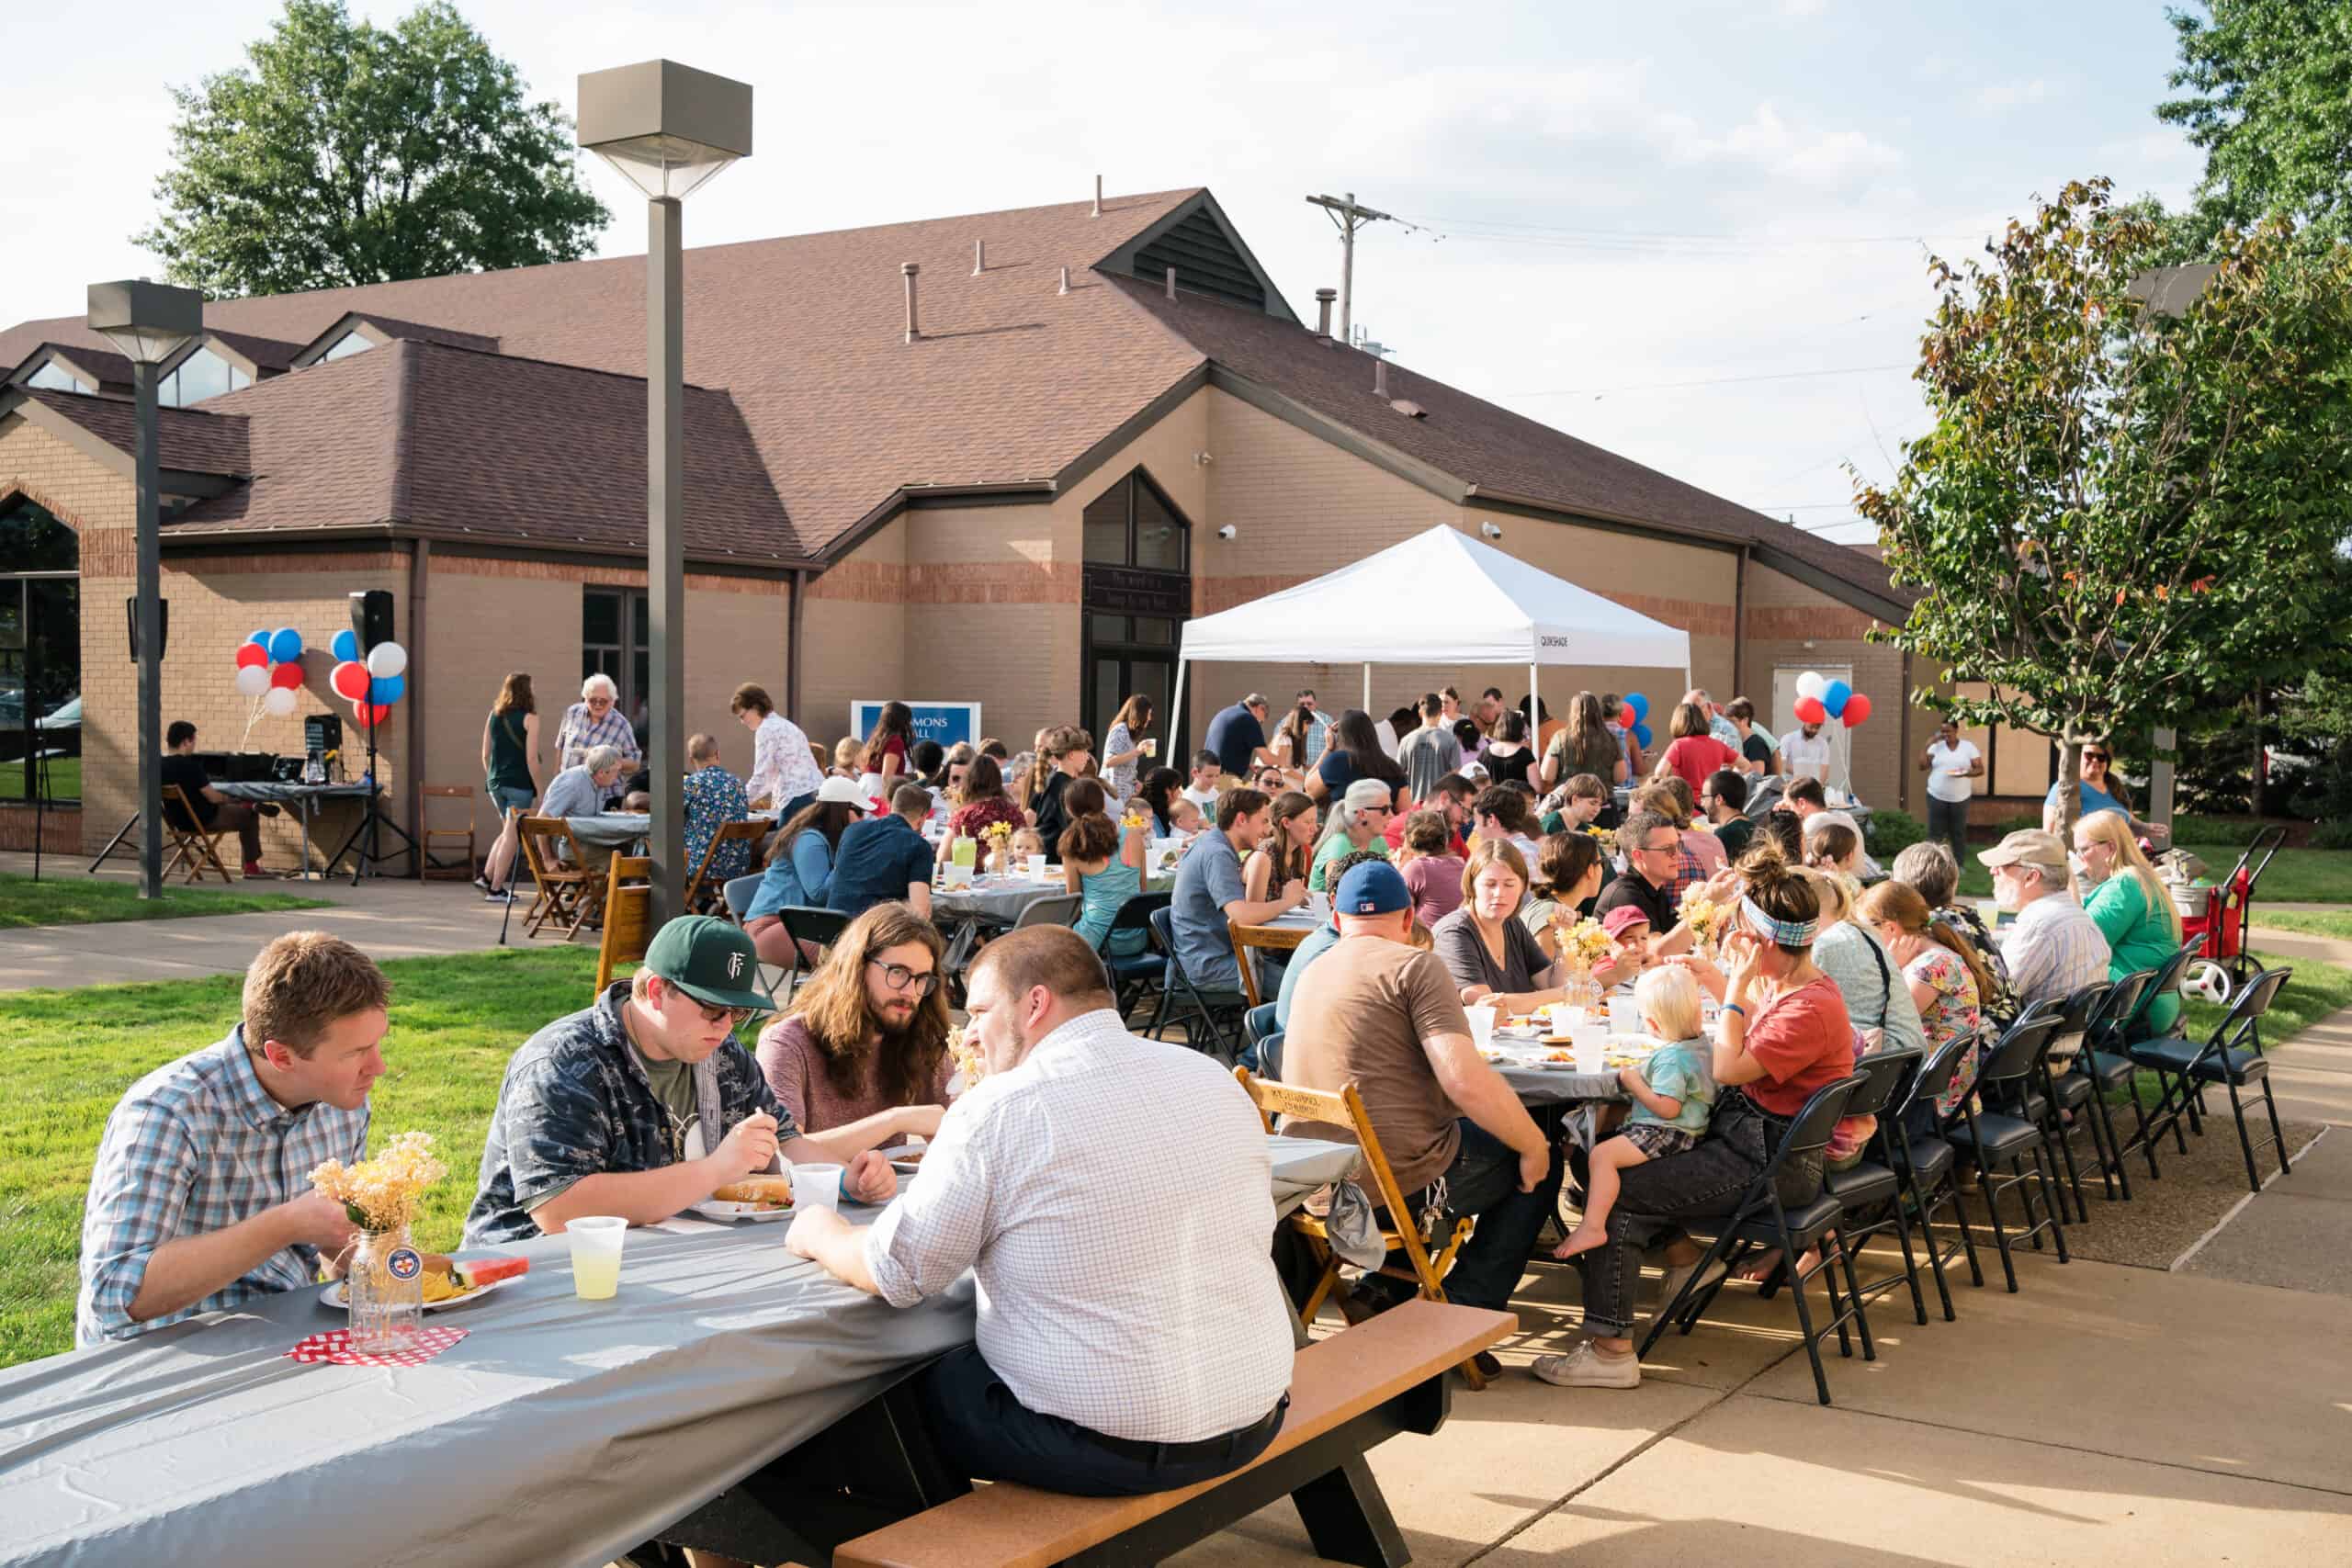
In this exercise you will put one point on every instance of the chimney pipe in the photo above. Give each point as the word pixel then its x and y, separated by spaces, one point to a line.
pixel 1172 283
pixel 909 269
pixel 1098 195
pixel 979 258
pixel 1323 297
pixel 1379 377
pixel 1065 287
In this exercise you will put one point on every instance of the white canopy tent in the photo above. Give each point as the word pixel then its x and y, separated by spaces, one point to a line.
pixel 1440 597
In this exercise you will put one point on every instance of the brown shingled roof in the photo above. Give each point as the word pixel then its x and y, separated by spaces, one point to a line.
pixel 267 353
pixel 112 370
pixel 195 441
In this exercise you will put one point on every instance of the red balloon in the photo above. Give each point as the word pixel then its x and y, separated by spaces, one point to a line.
pixel 251 653
pixel 1810 711
pixel 350 681
pixel 288 675
pixel 1625 715
pixel 1858 708
pixel 367 716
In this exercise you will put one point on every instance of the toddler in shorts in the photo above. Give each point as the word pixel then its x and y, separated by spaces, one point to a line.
pixel 1673 1093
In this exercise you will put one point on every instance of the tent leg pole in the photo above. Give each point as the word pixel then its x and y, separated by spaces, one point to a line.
pixel 1176 720
pixel 1535 710
pixel 1367 688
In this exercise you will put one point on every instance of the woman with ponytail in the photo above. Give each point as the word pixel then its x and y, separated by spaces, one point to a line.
pixel 1948 981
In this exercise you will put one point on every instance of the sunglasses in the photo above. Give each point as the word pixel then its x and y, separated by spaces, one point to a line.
pixel 2096 757
pixel 898 977
pixel 734 1016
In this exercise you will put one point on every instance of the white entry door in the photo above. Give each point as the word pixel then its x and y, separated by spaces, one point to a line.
pixel 1784 690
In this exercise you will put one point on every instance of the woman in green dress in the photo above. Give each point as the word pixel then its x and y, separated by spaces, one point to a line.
pixel 2129 904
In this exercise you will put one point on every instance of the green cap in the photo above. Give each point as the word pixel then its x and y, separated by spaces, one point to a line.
pixel 710 960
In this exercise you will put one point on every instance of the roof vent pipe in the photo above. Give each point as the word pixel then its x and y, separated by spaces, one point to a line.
pixel 1172 283
pixel 909 269
pixel 1379 377
pixel 1065 287
pixel 979 258
pixel 1323 297
pixel 1098 195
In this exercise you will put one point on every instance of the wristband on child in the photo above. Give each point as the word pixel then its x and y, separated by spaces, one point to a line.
pixel 1734 1007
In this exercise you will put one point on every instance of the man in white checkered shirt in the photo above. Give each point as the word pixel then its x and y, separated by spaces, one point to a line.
pixel 1113 1197
pixel 201 1195
pixel 2054 949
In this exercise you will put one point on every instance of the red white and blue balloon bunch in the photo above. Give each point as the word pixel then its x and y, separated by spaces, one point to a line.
pixel 269 666
pixel 1819 701
pixel 1632 714
pixel 370 684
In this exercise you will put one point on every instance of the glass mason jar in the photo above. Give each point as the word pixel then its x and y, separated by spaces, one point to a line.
pixel 1582 990
pixel 386 1290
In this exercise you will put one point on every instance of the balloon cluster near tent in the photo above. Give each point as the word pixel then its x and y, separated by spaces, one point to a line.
pixel 270 667
pixel 372 685
pixel 1819 700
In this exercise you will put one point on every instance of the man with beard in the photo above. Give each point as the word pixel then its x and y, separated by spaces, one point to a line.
pixel 862 1057
pixel 1806 753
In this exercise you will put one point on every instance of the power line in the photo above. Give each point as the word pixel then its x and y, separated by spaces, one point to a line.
pixel 1502 230
pixel 1718 382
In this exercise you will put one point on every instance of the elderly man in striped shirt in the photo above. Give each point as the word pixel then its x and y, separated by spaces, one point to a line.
pixel 202 1196
pixel 2054 949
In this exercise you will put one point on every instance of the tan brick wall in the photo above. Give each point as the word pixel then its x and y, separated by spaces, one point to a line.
pixel 854 642
pixel 1791 625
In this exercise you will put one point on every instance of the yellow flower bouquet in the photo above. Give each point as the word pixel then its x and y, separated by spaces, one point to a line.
pixel 382 1195
pixel 1608 838
pixel 1708 920
pixel 1583 943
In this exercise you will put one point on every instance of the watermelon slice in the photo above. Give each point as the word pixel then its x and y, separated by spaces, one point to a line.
pixel 473 1273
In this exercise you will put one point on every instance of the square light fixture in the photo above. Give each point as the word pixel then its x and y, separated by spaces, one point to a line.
pixel 666 127
pixel 147 322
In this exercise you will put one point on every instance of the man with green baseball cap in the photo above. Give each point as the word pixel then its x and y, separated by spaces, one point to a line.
pixel 645 1104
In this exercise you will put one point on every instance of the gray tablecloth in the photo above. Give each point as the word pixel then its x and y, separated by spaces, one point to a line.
pixel 996 899
pixel 1303 1164
pixel 271 789
pixel 610 829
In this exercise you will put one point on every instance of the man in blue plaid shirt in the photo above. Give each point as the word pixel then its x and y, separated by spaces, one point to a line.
pixel 201 1195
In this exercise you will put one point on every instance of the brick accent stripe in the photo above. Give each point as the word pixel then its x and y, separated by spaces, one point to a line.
pixel 1825 620
pixel 446 565
pixel 951 582
pixel 1216 594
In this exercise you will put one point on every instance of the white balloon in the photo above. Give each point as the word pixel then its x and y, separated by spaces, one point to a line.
pixel 1811 684
pixel 387 659
pixel 252 681
pixel 279 702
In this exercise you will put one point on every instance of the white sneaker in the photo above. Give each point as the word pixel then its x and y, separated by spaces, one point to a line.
pixel 1672 1284
pixel 1588 1367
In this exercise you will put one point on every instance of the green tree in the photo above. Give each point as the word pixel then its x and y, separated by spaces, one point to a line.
pixel 2120 514
pixel 349 153
pixel 2269 101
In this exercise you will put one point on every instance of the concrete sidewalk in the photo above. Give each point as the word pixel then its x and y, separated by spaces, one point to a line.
pixel 387 918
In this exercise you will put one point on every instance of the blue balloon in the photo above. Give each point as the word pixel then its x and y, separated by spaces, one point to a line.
pixel 385 690
pixel 1642 734
pixel 1639 703
pixel 284 646
pixel 1834 695
pixel 260 639
pixel 345 646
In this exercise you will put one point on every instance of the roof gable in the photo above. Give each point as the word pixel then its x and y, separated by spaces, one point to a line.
pixel 1207 253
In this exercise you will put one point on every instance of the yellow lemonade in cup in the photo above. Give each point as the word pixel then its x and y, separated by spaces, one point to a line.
pixel 595 1255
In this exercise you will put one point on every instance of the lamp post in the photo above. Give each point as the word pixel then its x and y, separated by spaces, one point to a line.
pixel 148 322
pixel 668 129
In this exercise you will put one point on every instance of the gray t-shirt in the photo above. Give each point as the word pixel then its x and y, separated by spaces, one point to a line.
pixel 1207 879
pixel 1428 755
pixel 571 793
pixel 1877 996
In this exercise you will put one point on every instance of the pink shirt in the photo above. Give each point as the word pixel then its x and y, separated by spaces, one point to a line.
pixel 1435 883
pixel 1695 757
pixel 794 1066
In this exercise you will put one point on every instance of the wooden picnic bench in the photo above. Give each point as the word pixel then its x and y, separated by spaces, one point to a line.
pixel 1350 1392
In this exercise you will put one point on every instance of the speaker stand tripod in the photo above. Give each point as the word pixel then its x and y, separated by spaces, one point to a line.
pixel 371 823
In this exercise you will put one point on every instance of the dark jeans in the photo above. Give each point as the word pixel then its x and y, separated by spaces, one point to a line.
pixel 1948 821
pixel 793 806
pixel 1653 1196
pixel 984 1432
pixel 240 817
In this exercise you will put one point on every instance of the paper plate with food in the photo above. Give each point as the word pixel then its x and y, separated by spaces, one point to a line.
pixel 450 1281
pixel 906 1158
pixel 753 1198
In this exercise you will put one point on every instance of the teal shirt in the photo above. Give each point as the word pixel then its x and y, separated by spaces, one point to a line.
pixel 1681 1071
pixel 1333 848
pixel 1104 891
pixel 2139 936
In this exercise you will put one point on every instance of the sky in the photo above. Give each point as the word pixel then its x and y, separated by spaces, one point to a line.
pixel 1693 234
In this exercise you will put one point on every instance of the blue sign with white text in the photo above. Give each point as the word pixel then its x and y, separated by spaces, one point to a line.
pixel 946 723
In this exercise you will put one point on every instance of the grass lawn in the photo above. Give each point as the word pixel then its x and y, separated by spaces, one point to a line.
pixel 63 773
pixel 2308 924
pixel 2317 991
pixel 2297 877
pixel 70 899
pixel 72 1054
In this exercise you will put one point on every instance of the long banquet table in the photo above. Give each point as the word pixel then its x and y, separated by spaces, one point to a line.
pixel 559 1431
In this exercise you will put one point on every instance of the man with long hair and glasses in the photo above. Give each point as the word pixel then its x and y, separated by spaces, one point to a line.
pixel 862 1054
pixel 644 1104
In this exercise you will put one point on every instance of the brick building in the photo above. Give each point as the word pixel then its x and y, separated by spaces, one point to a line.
pixel 1000 475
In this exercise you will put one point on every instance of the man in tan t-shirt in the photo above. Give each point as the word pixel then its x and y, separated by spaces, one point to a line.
pixel 1386 1017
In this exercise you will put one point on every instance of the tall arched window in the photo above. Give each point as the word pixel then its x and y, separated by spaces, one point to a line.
pixel 1139 592
pixel 41 655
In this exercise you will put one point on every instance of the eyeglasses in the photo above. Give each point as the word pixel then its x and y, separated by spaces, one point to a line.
pixel 1654 849
pixel 734 1016
pixel 600 702
pixel 2096 757
pixel 898 977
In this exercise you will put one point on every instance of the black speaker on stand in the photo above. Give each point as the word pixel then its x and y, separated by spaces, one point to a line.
pixel 371 623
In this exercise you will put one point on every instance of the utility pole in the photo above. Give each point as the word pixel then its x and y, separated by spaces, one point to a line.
pixel 1349 218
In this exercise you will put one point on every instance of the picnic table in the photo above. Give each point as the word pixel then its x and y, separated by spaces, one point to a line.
pixel 1285 931
pixel 559 1431
pixel 610 829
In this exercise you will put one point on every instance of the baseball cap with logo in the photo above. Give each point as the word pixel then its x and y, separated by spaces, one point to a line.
pixel 1373 888
pixel 2027 846
pixel 710 960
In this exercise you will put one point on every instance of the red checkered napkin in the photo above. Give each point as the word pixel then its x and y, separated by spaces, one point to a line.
pixel 334 1347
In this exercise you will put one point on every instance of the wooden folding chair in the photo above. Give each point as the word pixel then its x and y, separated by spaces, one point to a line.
pixel 628 916
pixel 751 831
pixel 1245 938
pixel 427 868
pixel 192 845
pixel 1345 1108
pixel 566 890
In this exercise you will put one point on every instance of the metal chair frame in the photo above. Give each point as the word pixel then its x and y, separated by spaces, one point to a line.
pixel 1198 1003
pixel 2179 1082
pixel 2010 1067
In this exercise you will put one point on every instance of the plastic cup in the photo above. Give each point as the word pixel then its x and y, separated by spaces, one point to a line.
pixel 1151 748
pixel 595 1255
pixel 817 1186
pixel 1319 906
pixel 1037 865
pixel 1590 1044
pixel 1482 1026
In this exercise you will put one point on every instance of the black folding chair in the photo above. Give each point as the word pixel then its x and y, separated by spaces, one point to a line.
pixel 2054 1090
pixel 1194 1004
pixel 2084 1089
pixel 1871 1191
pixel 1925 1162
pixel 1764 1218
pixel 1135 976
pixel 2109 1059
pixel 1265 1041
pixel 2232 1057
pixel 1998 1143
pixel 820 928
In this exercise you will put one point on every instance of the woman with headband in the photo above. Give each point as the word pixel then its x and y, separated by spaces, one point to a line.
pixel 1784 1033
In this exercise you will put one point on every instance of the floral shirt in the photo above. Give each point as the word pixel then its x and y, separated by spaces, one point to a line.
pixel 576 1103
pixel 579 734
pixel 782 768
pixel 1955 1009
pixel 2002 1007
pixel 714 798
